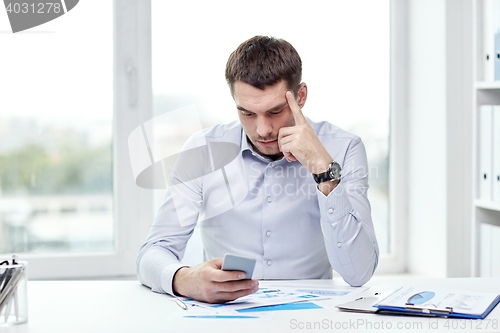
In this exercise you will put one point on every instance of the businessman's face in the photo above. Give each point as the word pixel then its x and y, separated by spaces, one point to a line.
pixel 262 113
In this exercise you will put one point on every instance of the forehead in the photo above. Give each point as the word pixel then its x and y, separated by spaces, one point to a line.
pixel 257 100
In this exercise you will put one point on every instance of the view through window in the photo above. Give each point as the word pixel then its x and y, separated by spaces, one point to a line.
pixel 56 110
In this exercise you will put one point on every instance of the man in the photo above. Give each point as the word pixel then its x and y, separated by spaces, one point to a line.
pixel 299 219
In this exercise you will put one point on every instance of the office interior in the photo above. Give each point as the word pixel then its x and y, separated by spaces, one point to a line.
pixel 408 77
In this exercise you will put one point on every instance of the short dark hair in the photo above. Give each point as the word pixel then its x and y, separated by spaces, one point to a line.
pixel 263 61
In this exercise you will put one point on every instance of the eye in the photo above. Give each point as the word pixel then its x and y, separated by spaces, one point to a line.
pixel 276 112
pixel 247 114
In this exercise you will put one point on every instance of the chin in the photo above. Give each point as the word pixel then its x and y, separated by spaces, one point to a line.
pixel 272 153
pixel 269 150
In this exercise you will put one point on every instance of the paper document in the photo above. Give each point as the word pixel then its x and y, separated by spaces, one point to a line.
pixel 273 294
pixel 194 312
pixel 440 301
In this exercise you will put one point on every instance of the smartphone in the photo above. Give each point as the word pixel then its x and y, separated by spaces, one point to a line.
pixel 233 262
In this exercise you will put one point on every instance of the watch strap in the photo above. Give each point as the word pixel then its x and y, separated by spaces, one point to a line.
pixel 322 177
pixel 329 174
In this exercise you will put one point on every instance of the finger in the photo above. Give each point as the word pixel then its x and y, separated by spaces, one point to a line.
pixel 285 131
pixel 284 140
pixel 289 157
pixel 286 150
pixel 297 113
pixel 216 262
pixel 232 286
pixel 224 276
pixel 231 296
pixel 223 297
pixel 221 276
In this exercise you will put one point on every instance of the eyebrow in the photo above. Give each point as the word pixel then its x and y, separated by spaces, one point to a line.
pixel 276 108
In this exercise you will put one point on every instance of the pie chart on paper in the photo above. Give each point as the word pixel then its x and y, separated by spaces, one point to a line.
pixel 421 297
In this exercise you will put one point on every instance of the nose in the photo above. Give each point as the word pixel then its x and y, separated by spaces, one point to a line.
pixel 264 127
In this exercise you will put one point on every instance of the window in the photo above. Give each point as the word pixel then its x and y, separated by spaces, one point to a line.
pixel 56 136
pixel 66 190
pixel 345 53
pixel 85 87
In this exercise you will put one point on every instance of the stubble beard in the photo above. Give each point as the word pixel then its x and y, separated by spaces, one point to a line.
pixel 272 154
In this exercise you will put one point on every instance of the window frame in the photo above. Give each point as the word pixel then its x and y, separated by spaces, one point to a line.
pixel 396 261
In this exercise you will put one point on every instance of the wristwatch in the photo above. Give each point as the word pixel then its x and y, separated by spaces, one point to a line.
pixel 333 173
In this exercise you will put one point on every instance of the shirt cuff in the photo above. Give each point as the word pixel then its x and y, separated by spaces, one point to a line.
pixel 167 277
pixel 335 205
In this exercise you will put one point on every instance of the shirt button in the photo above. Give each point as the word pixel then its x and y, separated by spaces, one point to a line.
pixel 330 210
pixel 272 165
pixel 269 199
pixel 339 244
pixel 269 263
pixel 268 233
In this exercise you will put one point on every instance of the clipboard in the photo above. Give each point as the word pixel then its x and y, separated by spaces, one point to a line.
pixel 428 300
pixel 367 305
pixel 415 301
pixel 361 304
pixel 412 309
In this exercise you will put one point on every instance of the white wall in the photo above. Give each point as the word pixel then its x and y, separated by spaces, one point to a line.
pixel 438 106
pixel 427 137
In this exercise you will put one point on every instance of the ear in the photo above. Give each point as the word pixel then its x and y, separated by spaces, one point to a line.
pixel 302 95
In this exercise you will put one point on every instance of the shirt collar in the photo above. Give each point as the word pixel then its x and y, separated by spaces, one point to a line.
pixel 244 142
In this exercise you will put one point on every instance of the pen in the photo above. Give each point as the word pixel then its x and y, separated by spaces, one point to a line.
pixel 4 293
pixel 16 305
pixel 362 297
pixel 3 278
pixel 16 299
pixel 7 310
pixel 9 289
pixel 181 304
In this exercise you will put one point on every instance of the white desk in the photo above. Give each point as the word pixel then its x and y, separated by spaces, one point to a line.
pixel 127 306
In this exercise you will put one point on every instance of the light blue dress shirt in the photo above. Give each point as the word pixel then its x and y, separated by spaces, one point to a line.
pixel 273 213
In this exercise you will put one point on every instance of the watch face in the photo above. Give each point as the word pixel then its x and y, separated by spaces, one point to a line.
pixel 335 171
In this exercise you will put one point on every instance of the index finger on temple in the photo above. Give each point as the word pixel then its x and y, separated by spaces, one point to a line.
pixel 297 113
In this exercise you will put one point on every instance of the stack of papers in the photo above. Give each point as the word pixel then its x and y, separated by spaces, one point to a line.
pixel 270 297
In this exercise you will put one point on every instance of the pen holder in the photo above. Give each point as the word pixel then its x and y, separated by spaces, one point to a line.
pixel 13 294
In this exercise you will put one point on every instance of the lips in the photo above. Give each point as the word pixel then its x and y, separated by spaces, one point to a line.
pixel 268 143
